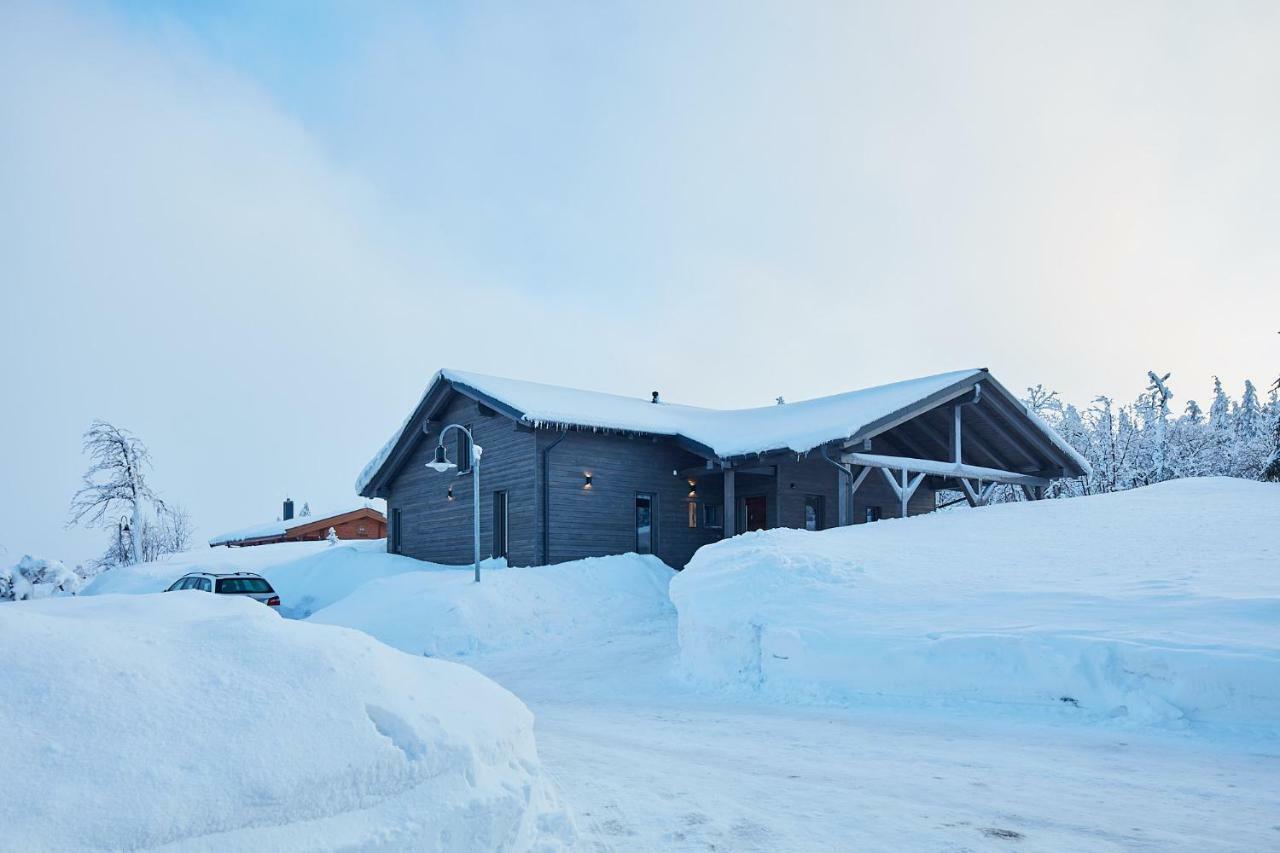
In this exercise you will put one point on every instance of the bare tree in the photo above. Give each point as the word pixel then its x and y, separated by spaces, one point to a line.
pixel 115 486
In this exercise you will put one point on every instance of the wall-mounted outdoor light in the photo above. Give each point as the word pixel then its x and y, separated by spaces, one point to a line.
pixel 693 489
pixel 449 495
pixel 586 481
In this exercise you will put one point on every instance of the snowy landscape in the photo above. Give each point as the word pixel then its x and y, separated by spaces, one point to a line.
pixel 1055 686
pixel 717 427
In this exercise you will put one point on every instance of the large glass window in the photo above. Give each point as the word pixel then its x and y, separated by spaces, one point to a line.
pixel 500 524
pixel 463 449
pixel 813 506
pixel 713 515
pixel 644 523
pixel 393 535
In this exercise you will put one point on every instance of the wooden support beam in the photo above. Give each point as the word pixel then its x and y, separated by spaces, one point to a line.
pixel 942 469
pixel 1015 420
pixel 730 505
pixel 971 440
pixel 857 481
pixel 983 417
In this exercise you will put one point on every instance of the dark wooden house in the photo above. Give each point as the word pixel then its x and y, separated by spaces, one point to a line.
pixel 567 474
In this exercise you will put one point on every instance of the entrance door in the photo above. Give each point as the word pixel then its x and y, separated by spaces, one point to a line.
pixel 754 511
pixel 500 524
pixel 644 523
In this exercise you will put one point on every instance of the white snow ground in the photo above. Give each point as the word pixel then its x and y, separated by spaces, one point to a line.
pixel 649 763
pixel 1160 604
pixel 202 722
pixel 650 759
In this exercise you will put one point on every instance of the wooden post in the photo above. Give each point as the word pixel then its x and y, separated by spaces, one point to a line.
pixel 730 505
pixel 843 504
pixel 955 434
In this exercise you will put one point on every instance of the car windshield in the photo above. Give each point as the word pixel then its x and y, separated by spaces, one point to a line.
pixel 232 585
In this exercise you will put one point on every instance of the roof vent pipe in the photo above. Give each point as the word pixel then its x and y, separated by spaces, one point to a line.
pixel 655 397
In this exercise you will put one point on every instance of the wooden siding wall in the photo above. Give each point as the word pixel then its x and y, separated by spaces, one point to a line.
pixel 374 528
pixel 601 520
pixel 439 530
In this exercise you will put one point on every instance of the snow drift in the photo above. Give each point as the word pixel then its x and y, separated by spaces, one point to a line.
pixel 445 613
pixel 1158 604
pixel 209 723
pixel 308 575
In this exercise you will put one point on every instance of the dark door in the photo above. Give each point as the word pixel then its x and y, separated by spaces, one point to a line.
pixel 754 507
pixel 644 523
pixel 500 524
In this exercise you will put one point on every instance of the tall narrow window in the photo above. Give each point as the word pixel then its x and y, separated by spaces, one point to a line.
pixel 500 524
pixel 393 536
pixel 463 449
pixel 693 513
pixel 713 515
pixel 644 523
pixel 813 506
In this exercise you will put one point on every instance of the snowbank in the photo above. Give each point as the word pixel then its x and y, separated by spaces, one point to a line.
pixel 210 723
pixel 308 575
pixel 1159 604
pixel 445 613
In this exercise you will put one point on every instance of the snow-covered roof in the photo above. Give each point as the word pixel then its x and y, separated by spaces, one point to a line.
pixel 799 426
pixel 278 528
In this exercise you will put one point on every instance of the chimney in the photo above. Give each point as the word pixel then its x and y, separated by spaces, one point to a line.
pixel 288 510
pixel 655 397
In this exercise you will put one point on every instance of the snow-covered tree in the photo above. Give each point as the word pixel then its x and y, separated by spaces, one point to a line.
pixel 332 538
pixel 1271 468
pixel 115 486
pixel 1159 411
pixel 35 577
pixel 167 531
pixel 305 511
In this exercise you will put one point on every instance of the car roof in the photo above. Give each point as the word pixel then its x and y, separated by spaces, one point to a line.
pixel 223 575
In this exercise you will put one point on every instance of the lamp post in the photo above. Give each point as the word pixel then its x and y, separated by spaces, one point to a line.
pixel 441 464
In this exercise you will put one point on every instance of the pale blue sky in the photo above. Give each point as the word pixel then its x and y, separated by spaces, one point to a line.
pixel 250 232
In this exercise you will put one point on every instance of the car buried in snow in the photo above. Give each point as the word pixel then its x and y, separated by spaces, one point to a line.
pixel 231 583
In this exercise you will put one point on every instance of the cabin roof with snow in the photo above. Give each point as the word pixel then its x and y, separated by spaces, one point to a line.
pixel 1006 428
pixel 305 527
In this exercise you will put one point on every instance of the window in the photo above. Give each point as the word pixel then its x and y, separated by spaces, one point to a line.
pixel 644 523
pixel 500 524
pixel 176 585
pixel 463 450
pixel 693 513
pixel 204 585
pixel 393 535
pixel 813 506
pixel 228 586
pixel 713 515
pixel 873 513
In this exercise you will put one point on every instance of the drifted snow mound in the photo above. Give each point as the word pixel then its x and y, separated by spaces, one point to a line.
pixel 209 723
pixel 308 575
pixel 1160 604
pixel 445 613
